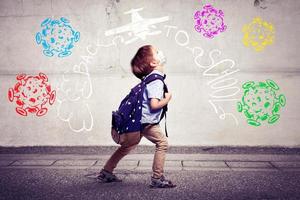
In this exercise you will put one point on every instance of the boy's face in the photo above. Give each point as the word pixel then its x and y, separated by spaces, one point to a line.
pixel 158 58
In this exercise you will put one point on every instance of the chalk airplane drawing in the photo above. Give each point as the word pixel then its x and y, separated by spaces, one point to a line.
pixel 139 27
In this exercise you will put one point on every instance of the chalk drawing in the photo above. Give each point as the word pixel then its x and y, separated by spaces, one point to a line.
pixel 261 102
pixel 57 37
pixel 223 85
pixel 74 93
pixel 209 21
pixel 258 34
pixel 139 27
pixel 79 119
pixel 31 94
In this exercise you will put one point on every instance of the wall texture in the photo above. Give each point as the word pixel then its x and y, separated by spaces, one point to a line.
pixel 205 75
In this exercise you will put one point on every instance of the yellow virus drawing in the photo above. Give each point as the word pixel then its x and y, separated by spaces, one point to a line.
pixel 258 34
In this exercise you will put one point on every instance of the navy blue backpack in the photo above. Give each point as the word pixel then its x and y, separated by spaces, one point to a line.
pixel 128 116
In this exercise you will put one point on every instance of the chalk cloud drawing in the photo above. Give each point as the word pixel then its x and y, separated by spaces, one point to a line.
pixel 139 27
pixel 209 21
pixel 223 85
pixel 57 37
pixel 258 34
pixel 31 94
pixel 73 92
pixel 261 102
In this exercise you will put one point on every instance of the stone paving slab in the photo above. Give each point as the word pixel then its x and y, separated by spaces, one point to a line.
pixel 5 162
pixel 237 164
pixel 206 169
pixel 169 165
pixel 33 163
pixel 123 164
pixel 75 162
pixel 46 167
pixel 290 169
pixel 100 163
pixel 254 169
pixel 286 164
pixel 204 164
pixel 133 163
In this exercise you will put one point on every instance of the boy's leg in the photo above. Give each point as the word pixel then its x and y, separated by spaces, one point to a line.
pixel 128 142
pixel 155 135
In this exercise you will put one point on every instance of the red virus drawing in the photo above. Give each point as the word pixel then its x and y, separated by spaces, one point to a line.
pixel 31 94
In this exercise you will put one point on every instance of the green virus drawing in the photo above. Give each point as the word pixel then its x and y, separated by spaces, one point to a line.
pixel 261 102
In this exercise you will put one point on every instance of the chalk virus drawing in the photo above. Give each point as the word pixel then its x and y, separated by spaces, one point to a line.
pixel 139 27
pixel 258 34
pixel 209 21
pixel 57 37
pixel 31 94
pixel 261 102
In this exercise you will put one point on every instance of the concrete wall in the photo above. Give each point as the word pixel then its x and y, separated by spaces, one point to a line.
pixel 86 98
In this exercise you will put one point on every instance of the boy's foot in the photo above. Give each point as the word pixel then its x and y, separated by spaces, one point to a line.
pixel 161 182
pixel 107 177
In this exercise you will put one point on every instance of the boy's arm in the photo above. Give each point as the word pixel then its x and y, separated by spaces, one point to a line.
pixel 155 91
pixel 157 104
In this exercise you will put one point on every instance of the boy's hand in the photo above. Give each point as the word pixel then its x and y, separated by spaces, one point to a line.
pixel 168 96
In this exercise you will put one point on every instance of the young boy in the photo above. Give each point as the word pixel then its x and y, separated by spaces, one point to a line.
pixel 148 60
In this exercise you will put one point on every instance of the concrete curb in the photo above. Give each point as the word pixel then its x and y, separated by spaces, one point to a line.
pixel 145 149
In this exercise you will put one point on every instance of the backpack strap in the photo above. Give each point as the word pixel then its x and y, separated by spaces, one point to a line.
pixel 153 77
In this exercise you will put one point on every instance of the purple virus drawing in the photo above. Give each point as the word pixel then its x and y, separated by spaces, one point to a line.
pixel 209 21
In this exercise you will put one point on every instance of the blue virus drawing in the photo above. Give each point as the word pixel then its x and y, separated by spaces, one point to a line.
pixel 57 37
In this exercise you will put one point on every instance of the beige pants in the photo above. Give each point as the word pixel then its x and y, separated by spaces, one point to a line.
pixel 129 141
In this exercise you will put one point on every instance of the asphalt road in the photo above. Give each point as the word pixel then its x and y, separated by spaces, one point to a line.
pixel 56 184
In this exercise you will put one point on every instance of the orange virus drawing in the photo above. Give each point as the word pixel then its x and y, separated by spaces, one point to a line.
pixel 31 94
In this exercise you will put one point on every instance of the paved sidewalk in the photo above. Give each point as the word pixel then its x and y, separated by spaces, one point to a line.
pixel 198 176
pixel 231 162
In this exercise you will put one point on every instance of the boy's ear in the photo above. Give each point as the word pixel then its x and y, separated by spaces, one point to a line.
pixel 154 63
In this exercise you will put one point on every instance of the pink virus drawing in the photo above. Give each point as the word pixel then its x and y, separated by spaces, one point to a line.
pixel 209 21
pixel 31 94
